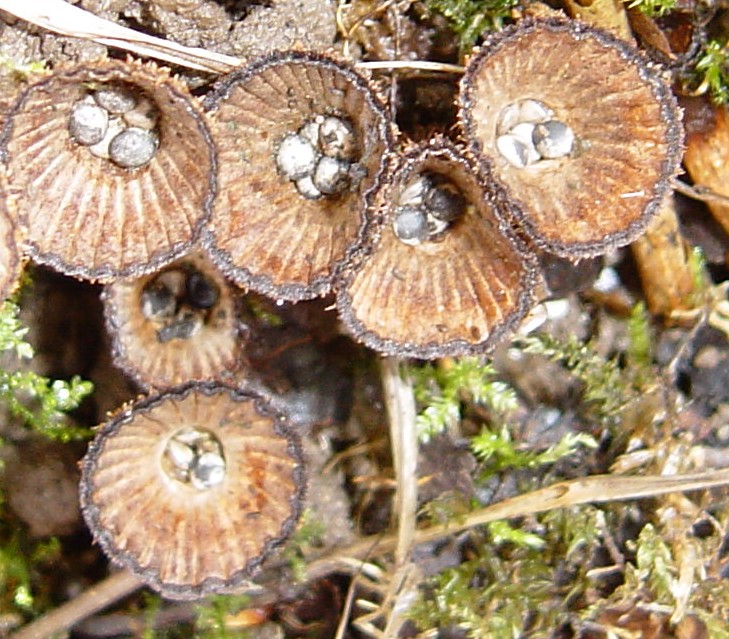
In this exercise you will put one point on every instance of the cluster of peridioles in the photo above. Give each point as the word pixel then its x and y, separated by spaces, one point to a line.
pixel 290 179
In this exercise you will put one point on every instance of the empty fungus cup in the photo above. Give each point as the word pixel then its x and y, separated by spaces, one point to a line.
pixel 112 167
pixel 193 488
pixel 579 127
pixel 176 325
pixel 444 274
pixel 301 142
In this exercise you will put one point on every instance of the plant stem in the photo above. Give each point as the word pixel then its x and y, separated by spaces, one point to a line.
pixel 400 403
pixel 96 598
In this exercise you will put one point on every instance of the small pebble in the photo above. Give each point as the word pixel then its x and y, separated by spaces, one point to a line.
pixel 158 302
pixel 201 292
pixel 306 188
pixel 444 201
pixel 208 470
pixel 531 111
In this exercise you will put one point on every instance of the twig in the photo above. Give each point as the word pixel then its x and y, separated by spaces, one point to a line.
pixel 593 489
pixel 99 596
pixel 63 18
pixel 700 193
pixel 119 624
pixel 412 65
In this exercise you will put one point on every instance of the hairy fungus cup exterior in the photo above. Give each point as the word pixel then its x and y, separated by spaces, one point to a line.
pixel 193 488
pixel 112 167
pixel 176 325
pixel 578 126
pixel 11 263
pixel 445 275
pixel 301 142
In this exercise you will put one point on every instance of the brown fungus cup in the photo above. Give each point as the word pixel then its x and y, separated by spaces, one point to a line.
pixel 193 488
pixel 301 142
pixel 112 167
pixel 578 126
pixel 444 274
pixel 11 263
pixel 176 325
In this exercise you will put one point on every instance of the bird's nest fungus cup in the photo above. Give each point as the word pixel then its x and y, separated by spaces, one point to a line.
pixel 192 489
pixel 175 325
pixel 301 141
pixel 112 167
pixel 578 126
pixel 444 275
pixel 11 263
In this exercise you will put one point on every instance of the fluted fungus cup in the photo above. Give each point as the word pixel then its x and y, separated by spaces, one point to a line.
pixel 11 263
pixel 112 167
pixel 578 126
pixel 301 140
pixel 443 274
pixel 176 325
pixel 193 488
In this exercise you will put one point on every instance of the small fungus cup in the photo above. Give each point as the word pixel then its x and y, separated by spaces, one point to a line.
pixel 176 325
pixel 112 167
pixel 579 127
pixel 192 489
pixel 301 141
pixel 444 273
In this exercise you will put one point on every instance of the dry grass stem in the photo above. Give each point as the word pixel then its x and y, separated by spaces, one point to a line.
pixel 96 598
pixel 400 403
pixel 63 18
pixel 594 489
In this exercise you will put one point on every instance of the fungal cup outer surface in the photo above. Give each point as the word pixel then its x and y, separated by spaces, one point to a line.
pixel 11 261
pixel 184 542
pixel 264 234
pixel 458 294
pixel 624 116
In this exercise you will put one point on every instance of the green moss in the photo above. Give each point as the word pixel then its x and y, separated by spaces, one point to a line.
pixel 653 8
pixel 499 453
pixel 608 388
pixel 441 389
pixel 307 536
pixel 213 617
pixel 711 71
pixel 19 561
pixel 471 18
pixel 514 584
pixel 40 403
